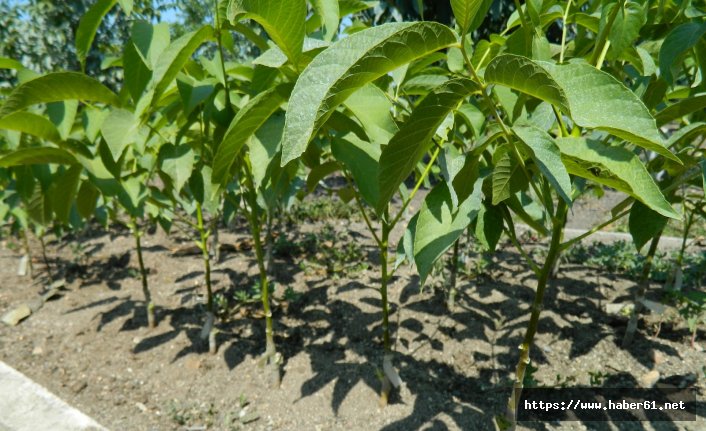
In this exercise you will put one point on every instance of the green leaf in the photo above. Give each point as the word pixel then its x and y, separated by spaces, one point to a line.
pixel 504 168
pixel 63 116
pixel 348 7
pixel 63 191
pixel 373 109
pixel 409 145
pixel 136 73
pixel 57 87
pixel 626 26
pixel 246 122
pixel 614 167
pixel 703 173
pixel 681 108
pixel 263 147
pixel 686 132
pixel 328 10
pixel 88 26
pixel 119 130
pixel 86 199
pixel 150 40
pixel 677 43
pixel 8 63
pixel 546 156
pixel 37 156
pixel 348 65
pixel 469 13
pixel 175 57
pixel 38 206
pixel 489 227
pixel 599 101
pixel 361 159
pixel 522 74
pixel 177 162
pixel 283 20
pixel 438 226
pixel 644 224
pixel 32 124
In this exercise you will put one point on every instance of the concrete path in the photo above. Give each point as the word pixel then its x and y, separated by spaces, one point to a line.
pixel 27 406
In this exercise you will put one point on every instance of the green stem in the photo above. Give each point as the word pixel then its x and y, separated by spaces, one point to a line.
pixel 149 305
pixel 416 187
pixel 28 252
pixel 204 234
pixel 563 31
pixel 524 360
pixel 45 258
pixel 600 47
pixel 384 279
pixel 270 357
pixel 451 301
pixel 640 292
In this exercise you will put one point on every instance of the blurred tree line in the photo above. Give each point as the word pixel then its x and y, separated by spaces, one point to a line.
pixel 40 33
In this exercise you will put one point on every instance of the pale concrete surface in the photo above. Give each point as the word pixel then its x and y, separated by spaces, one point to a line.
pixel 27 406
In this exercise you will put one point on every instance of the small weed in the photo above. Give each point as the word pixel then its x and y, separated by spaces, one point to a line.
pixel 322 209
pixel 621 257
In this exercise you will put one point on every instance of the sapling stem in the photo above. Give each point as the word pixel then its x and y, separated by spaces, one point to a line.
pixel 451 301
pixel 28 252
pixel 386 382
pixel 558 223
pixel 209 330
pixel 45 258
pixel 640 292
pixel 270 358
pixel 149 305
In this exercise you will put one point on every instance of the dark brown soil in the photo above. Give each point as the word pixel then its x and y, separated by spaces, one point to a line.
pixel 92 348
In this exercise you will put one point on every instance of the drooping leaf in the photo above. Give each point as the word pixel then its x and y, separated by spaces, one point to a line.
pixel 246 122
pixel 523 74
pixel 8 63
pixel 614 167
pixel 599 101
pixel 57 87
pixel 678 41
pixel 413 140
pixel 644 224
pixel 439 226
pixel 546 155
pixel 88 26
pixel 361 159
pixel 63 191
pixel 177 162
pixel 283 20
pixel 37 156
pixel 469 13
pixel 348 65
pixel 32 124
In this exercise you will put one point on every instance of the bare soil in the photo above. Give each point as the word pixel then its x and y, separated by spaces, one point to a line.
pixel 90 345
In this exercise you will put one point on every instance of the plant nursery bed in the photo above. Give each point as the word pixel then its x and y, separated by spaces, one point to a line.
pixel 90 344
